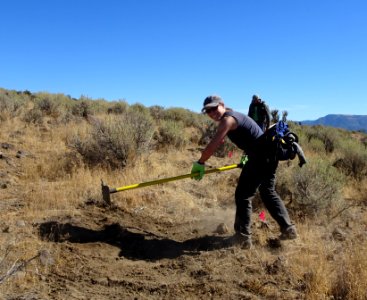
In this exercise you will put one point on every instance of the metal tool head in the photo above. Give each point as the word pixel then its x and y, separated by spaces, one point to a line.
pixel 106 194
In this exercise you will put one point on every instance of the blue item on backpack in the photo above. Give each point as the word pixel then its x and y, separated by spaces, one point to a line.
pixel 284 143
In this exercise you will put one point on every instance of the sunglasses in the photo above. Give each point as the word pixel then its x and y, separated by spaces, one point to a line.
pixel 211 109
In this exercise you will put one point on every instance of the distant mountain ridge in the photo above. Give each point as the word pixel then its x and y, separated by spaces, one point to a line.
pixel 349 122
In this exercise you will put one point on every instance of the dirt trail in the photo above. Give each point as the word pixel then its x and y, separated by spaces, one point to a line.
pixel 115 254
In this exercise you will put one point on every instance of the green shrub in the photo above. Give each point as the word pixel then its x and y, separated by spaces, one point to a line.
pixel 327 135
pixel 157 112
pixel 48 107
pixel 316 146
pixel 86 106
pixel 118 108
pixel 115 142
pixel 97 106
pixel 317 188
pixel 364 142
pixel 139 108
pixel 10 105
pixel 187 117
pixel 284 181
pixel 352 159
pixel 81 109
pixel 171 134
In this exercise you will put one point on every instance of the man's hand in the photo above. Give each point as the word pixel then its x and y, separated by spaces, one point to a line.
pixel 243 160
pixel 198 168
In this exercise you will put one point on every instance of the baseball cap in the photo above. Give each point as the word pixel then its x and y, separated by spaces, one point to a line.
pixel 211 101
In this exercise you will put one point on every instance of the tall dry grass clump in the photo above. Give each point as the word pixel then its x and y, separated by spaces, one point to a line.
pixel 350 273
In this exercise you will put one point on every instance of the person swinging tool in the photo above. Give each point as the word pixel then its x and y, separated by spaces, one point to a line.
pixel 258 172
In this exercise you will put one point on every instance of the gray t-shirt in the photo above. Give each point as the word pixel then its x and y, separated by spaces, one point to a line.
pixel 246 133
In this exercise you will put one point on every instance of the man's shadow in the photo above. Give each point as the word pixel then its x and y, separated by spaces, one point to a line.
pixel 132 245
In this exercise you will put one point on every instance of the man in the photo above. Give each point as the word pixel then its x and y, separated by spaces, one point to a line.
pixel 259 112
pixel 258 172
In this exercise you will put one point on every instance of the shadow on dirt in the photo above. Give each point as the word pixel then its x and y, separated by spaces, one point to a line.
pixel 132 245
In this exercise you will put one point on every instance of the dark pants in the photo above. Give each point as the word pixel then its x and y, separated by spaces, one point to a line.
pixel 258 173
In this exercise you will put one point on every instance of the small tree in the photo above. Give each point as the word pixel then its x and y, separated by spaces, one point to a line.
pixel 284 115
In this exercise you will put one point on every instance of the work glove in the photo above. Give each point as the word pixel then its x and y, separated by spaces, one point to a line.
pixel 198 168
pixel 243 160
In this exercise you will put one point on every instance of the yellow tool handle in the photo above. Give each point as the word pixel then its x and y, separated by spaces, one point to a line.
pixel 163 180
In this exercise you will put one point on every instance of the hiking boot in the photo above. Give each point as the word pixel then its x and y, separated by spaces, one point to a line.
pixel 289 234
pixel 238 240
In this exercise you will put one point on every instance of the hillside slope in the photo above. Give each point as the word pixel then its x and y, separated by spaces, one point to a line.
pixel 349 122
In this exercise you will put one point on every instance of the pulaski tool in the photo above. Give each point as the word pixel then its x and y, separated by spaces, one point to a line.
pixel 107 191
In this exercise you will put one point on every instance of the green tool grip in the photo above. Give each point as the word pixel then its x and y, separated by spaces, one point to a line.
pixel 163 180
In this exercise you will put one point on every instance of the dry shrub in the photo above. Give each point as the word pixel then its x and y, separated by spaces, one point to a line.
pixel 283 182
pixel 51 108
pixel 171 134
pixel 48 107
pixel 317 188
pixel 114 142
pixel 140 108
pixel 353 160
pixel 364 142
pixel 315 145
pixel 118 108
pixel 9 106
pixel 327 135
pixel 81 109
pixel 187 117
pixel 33 116
pixel 157 112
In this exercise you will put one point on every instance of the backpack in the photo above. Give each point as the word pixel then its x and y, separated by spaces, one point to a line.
pixel 283 143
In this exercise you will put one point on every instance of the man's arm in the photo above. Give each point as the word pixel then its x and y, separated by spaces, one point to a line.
pixel 225 125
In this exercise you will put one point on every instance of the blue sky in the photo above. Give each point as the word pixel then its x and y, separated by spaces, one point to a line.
pixel 308 57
